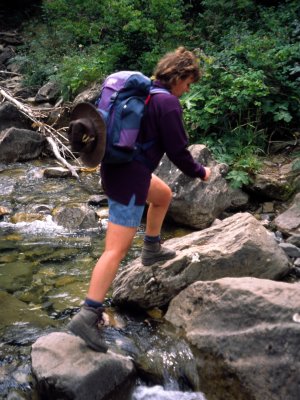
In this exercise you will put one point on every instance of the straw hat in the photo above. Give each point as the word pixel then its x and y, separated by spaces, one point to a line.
pixel 87 134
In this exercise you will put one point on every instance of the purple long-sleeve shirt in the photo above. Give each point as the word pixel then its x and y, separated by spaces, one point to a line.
pixel 162 124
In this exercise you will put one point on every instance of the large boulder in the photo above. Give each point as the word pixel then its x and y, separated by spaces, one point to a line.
pixel 196 203
pixel 238 246
pixel 20 145
pixel 65 368
pixel 248 327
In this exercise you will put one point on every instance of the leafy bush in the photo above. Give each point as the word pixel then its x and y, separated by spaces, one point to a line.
pixel 124 34
pixel 250 53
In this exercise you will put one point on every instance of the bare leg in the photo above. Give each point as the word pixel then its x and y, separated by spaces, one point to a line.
pixel 117 242
pixel 159 199
pixel 85 323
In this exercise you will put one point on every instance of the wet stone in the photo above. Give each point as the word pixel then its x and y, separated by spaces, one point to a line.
pixel 4 211
pixel 290 249
pixel 15 275
pixel 268 207
pixel 98 200
pixel 57 172
pixel 12 310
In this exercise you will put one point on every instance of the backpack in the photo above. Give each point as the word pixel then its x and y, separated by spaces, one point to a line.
pixel 122 102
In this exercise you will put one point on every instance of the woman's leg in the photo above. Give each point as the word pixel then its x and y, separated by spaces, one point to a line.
pixel 85 323
pixel 117 242
pixel 159 199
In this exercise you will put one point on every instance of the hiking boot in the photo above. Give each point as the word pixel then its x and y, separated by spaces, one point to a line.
pixel 85 325
pixel 154 252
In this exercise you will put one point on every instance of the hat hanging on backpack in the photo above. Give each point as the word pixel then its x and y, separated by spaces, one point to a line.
pixel 87 134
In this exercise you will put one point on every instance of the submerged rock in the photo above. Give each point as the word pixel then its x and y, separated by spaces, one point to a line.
pixel 252 326
pixel 12 310
pixel 238 246
pixel 64 367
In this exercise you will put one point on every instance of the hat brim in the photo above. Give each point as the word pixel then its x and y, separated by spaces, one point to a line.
pixel 86 110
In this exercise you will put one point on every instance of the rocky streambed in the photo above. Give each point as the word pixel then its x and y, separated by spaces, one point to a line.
pixel 220 321
pixel 196 326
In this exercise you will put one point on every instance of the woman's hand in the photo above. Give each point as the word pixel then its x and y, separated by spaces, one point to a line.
pixel 207 174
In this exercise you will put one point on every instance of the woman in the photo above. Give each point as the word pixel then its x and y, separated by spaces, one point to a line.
pixel 130 186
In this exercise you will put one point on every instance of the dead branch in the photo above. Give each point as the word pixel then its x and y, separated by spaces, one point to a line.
pixel 51 134
pixel 10 73
pixel 60 158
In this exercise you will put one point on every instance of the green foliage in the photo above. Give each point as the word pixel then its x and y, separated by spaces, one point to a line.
pixel 239 149
pixel 250 54
pixel 224 98
pixel 79 70
pixel 131 34
pixel 296 164
pixel 238 178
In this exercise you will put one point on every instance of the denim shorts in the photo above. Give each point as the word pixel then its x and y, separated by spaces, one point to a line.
pixel 126 215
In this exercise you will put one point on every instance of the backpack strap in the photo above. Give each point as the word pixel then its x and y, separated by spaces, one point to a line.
pixel 145 146
pixel 155 90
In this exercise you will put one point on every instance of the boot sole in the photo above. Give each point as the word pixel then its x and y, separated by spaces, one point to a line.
pixel 146 262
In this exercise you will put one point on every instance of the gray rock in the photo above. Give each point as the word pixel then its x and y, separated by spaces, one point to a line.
pixel 248 326
pixel 90 95
pixel 48 93
pixel 98 200
pixel 275 181
pixel 65 367
pixel 238 246
pixel 294 239
pixel 290 249
pixel 76 217
pixel 20 145
pixel 57 172
pixel 6 54
pixel 10 117
pixel 289 221
pixel 196 203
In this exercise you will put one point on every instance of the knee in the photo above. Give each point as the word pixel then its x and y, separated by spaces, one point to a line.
pixel 165 197
pixel 168 195
pixel 115 255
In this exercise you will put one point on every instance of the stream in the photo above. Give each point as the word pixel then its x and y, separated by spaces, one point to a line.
pixel 44 276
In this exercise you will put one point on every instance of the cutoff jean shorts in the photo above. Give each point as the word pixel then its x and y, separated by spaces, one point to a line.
pixel 126 215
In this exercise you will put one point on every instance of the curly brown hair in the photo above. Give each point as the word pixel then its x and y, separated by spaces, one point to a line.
pixel 178 64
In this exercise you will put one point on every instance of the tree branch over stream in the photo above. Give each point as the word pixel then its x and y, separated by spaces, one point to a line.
pixel 51 134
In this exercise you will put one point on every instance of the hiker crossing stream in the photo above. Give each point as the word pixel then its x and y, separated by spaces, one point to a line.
pixel 45 271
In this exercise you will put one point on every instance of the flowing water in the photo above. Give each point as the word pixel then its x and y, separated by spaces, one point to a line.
pixel 44 275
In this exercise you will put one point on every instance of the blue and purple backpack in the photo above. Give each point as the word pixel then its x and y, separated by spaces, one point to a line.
pixel 122 101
